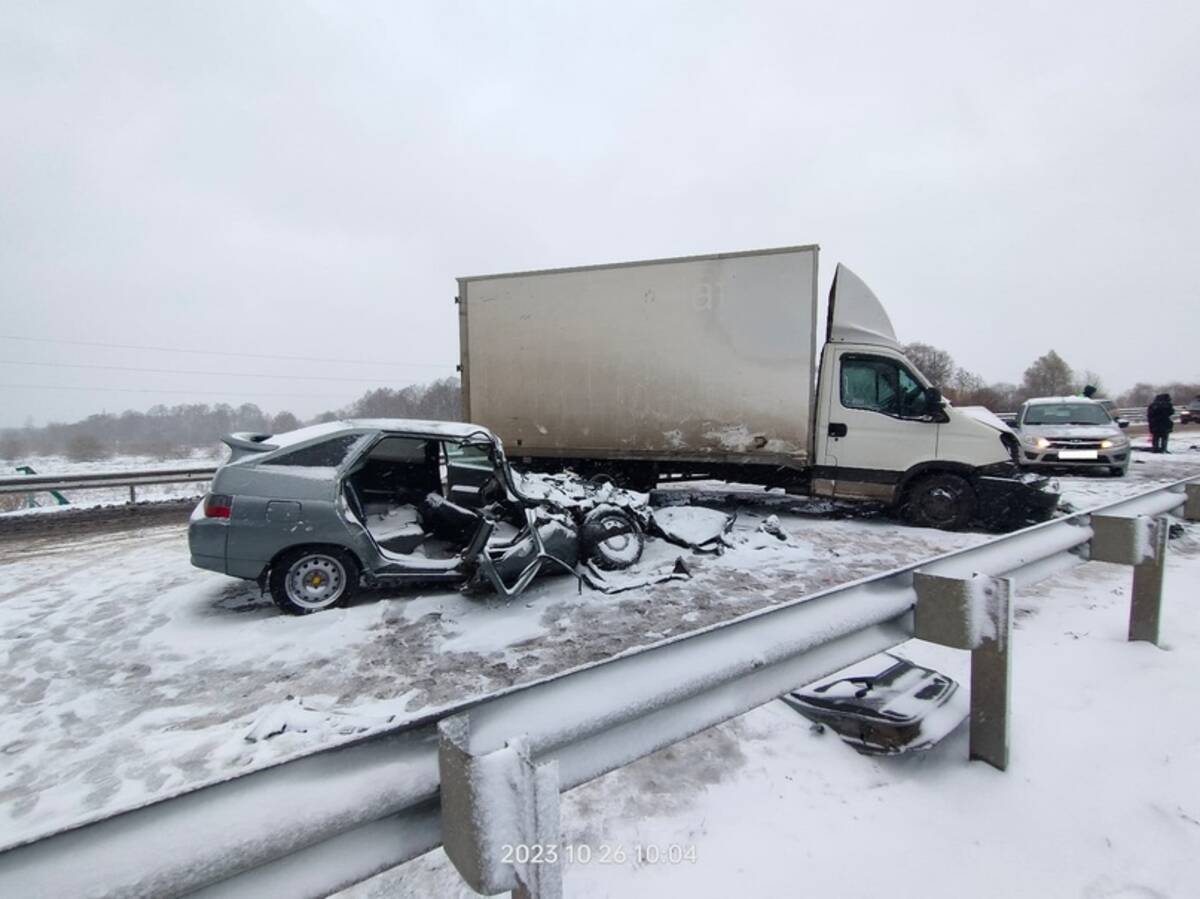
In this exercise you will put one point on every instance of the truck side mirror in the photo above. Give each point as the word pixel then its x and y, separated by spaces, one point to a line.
pixel 933 397
pixel 1122 423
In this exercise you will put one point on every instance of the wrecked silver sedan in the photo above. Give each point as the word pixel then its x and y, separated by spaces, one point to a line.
pixel 314 513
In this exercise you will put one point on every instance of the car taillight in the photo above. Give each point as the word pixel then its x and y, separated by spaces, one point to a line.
pixel 217 505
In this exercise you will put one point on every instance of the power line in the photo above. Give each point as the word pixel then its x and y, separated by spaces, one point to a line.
pixel 331 396
pixel 189 371
pixel 167 349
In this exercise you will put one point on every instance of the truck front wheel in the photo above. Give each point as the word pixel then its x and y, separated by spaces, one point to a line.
pixel 944 501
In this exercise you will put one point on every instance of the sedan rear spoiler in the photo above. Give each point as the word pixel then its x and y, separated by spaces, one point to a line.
pixel 245 442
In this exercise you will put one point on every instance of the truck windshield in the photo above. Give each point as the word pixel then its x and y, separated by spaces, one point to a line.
pixel 1066 414
pixel 879 384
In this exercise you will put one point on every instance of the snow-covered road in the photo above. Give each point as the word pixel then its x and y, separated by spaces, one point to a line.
pixel 128 675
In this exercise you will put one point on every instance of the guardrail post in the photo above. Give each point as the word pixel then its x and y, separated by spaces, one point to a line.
pixel 1191 507
pixel 500 815
pixel 132 494
pixel 1141 542
pixel 975 614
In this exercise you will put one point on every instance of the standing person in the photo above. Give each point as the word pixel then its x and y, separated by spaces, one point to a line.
pixel 1158 416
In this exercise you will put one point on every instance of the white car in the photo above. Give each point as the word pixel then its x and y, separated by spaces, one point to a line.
pixel 1071 432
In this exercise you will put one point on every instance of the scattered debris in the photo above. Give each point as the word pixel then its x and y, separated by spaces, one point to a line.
pixel 611 582
pixel 695 527
pixel 570 491
pixel 884 705
pixel 774 528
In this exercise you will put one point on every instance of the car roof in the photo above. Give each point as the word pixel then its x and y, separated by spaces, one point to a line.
pixel 1051 400
pixel 459 429
pixel 451 429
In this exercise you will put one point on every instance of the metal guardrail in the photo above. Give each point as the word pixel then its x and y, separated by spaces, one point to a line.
pixel 479 775
pixel 96 481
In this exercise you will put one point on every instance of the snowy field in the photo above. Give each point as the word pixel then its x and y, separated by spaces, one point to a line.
pixel 83 499
pixel 129 675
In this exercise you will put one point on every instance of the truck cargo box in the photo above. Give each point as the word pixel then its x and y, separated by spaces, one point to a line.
pixel 703 359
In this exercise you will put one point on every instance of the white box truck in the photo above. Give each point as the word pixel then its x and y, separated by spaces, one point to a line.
pixel 708 367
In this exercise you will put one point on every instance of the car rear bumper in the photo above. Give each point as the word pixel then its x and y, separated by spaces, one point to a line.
pixel 207 541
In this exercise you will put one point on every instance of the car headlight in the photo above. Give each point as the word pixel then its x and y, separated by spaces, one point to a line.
pixel 1039 442
pixel 1106 444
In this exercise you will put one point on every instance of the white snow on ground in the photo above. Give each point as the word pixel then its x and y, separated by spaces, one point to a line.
pixel 82 499
pixel 1101 799
pixel 125 674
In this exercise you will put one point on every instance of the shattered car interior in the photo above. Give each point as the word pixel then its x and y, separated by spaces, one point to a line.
pixel 433 505
pixel 402 492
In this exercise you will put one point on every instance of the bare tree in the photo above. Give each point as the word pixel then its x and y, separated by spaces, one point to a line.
pixel 1048 376
pixel 935 364
pixel 1001 397
pixel 1142 393
pixel 283 422
pixel 964 387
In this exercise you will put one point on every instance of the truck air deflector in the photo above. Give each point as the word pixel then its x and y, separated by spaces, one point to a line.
pixel 855 313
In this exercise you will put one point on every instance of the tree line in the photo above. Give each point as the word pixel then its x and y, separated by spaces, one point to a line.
pixel 1048 375
pixel 167 432
pixel 175 432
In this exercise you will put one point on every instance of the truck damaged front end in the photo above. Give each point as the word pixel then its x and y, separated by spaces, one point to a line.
pixel 1008 497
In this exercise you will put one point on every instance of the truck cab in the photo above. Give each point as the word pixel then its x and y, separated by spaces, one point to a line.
pixel 882 432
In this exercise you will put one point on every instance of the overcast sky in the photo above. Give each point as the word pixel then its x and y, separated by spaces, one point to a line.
pixel 289 179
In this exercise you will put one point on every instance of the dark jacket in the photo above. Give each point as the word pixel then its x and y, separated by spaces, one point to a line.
pixel 1158 414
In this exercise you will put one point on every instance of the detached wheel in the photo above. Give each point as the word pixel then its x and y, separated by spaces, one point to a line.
pixel 943 501
pixel 610 539
pixel 304 581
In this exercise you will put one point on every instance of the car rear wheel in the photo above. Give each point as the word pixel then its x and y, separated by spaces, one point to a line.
pixel 310 580
pixel 944 501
